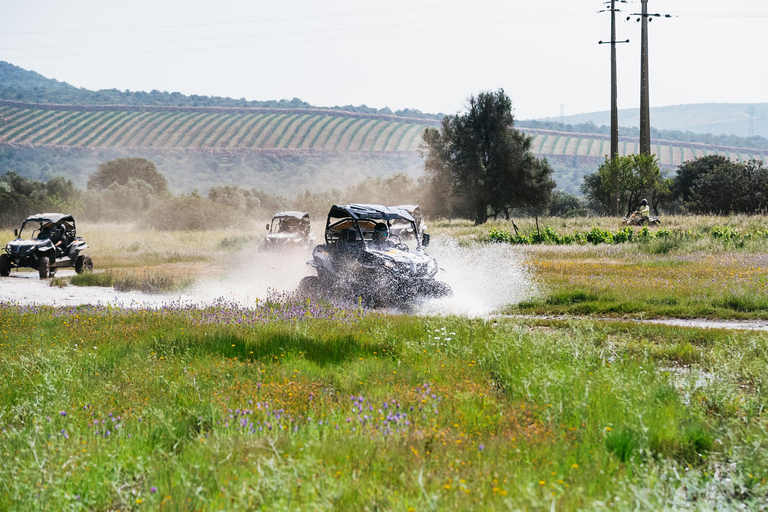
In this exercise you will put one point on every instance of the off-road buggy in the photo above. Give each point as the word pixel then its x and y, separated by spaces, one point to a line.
pixel 289 229
pixel 355 265
pixel 52 243
pixel 403 228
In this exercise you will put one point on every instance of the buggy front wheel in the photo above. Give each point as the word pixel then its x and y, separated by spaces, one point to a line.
pixel 83 263
pixel 309 287
pixel 5 265
pixel 44 267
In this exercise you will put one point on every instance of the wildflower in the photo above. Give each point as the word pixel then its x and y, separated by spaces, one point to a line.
pixel 63 413
pixel 153 490
pixel 481 447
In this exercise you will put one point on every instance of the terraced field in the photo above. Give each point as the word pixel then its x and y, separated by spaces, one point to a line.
pixel 118 126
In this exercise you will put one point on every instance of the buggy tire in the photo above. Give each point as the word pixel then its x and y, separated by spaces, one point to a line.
pixel 44 266
pixel 437 289
pixel 83 263
pixel 309 287
pixel 5 265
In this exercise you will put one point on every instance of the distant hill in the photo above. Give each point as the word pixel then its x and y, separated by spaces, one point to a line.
pixel 14 77
pixel 50 128
pixel 288 129
pixel 703 118
pixel 17 84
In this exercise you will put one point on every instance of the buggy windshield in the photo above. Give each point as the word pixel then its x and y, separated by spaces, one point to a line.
pixel 290 225
pixel 32 228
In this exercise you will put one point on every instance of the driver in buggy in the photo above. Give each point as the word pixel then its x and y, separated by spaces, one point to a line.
pixel 380 240
pixel 57 236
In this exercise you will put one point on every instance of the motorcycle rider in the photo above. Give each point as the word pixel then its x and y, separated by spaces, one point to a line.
pixel 644 211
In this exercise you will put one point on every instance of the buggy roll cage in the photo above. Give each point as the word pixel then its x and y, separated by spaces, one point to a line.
pixel 50 220
pixel 355 213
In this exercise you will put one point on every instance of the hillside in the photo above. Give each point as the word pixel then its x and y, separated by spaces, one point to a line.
pixel 279 146
pixel 242 144
pixel 705 118
pixel 17 84
pixel 238 129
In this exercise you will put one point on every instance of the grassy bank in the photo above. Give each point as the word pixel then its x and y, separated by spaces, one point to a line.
pixel 294 405
pixel 700 266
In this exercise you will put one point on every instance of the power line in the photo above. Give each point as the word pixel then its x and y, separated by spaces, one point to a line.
pixel 273 20
pixel 344 38
pixel 275 34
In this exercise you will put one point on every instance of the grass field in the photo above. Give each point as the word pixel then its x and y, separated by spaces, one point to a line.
pixel 299 405
pixel 688 274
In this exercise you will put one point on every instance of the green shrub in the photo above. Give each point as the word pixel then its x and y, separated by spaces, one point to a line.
pixel 93 279
pixel 623 443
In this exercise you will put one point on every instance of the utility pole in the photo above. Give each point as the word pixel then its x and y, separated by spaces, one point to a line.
pixel 615 194
pixel 645 103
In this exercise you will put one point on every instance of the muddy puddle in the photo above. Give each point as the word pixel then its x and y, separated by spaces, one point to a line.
pixel 483 277
pixel 700 323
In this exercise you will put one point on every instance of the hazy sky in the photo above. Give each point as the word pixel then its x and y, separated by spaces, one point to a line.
pixel 423 54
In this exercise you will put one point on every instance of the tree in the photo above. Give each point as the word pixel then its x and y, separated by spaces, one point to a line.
pixel 691 170
pixel 122 170
pixel 730 187
pixel 565 204
pixel 486 163
pixel 633 175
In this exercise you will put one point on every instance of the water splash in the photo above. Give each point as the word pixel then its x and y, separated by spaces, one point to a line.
pixel 484 278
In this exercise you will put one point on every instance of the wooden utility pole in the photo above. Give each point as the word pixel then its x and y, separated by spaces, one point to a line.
pixel 615 193
pixel 645 102
pixel 645 106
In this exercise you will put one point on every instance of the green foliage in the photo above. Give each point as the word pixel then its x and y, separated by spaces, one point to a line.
pixel 21 197
pixel 623 443
pixel 483 162
pixel 633 176
pixel 119 203
pixel 289 411
pixel 564 204
pixel 147 281
pixel 549 235
pixel 124 170
pixel 190 213
pixel 714 186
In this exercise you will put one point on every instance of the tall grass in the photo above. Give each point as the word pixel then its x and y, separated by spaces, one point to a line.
pixel 208 408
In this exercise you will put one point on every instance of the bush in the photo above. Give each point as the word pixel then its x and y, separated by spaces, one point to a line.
pixel 191 213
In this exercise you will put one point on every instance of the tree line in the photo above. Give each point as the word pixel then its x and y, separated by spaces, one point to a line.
pixel 477 165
